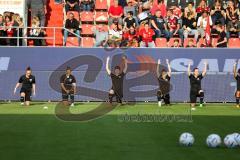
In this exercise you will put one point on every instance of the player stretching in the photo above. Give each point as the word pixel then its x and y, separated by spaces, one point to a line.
pixel 237 77
pixel 164 84
pixel 68 86
pixel 117 81
pixel 28 87
pixel 195 85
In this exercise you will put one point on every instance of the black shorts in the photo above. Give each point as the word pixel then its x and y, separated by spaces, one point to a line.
pixel 193 96
pixel 28 93
pixel 65 96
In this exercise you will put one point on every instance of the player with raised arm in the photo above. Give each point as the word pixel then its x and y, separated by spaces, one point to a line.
pixel 68 86
pixel 237 77
pixel 27 83
pixel 195 85
pixel 117 77
pixel 164 84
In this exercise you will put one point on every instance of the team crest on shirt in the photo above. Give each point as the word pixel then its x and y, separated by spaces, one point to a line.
pixel 30 80
pixel 70 79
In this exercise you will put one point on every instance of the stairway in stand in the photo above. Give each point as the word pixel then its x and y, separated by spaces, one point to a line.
pixel 54 19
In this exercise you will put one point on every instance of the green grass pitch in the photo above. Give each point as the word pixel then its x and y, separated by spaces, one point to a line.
pixel 34 133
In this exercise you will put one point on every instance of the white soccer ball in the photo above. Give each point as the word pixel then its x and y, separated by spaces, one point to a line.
pixel 229 141
pixel 213 141
pixel 237 138
pixel 186 139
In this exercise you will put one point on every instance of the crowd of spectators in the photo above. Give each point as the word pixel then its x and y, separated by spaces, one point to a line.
pixel 12 25
pixel 139 23
pixel 9 24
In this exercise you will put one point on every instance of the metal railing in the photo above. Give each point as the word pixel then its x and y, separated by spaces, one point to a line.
pixel 26 35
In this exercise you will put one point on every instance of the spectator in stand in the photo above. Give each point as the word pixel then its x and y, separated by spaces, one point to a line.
pixel 191 44
pixel 72 25
pixel 18 32
pixel 159 25
pixel 129 21
pixel 218 14
pixel 2 31
pixel 185 3
pixel 202 23
pixel 9 29
pixel 115 36
pixel 231 11
pixel 146 35
pixel 39 9
pixel 201 8
pixel 159 5
pixel 131 6
pixel 72 5
pixel 177 12
pixel 176 44
pixel 233 27
pixel 190 24
pixel 115 12
pixel 36 32
pixel 86 5
pixel 173 25
pixel 131 37
pixel 189 10
pixel 222 39
pixel 101 36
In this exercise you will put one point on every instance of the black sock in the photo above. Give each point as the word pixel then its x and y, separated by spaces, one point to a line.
pixel 110 96
pixel 22 99
pixel 201 100
pixel 119 100
pixel 237 101
pixel 72 98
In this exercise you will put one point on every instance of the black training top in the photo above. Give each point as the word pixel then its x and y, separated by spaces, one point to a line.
pixel 68 81
pixel 238 82
pixel 27 82
pixel 117 81
pixel 195 82
pixel 164 84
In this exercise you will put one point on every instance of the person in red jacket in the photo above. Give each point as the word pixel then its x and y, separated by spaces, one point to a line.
pixel 115 12
pixel 146 34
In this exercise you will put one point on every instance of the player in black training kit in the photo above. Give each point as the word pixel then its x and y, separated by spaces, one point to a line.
pixel 195 85
pixel 164 84
pixel 117 81
pixel 237 77
pixel 68 86
pixel 28 87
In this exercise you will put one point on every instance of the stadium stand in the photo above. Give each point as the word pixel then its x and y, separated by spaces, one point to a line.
pixel 168 20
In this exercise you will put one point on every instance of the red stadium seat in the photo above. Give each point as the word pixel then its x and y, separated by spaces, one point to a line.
pixel 87 29
pixel 86 16
pixel 87 42
pixel 76 14
pixel 72 42
pixel 186 41
pixel 171 41
pixel 161 42
pixel 234 43
pixel 101 16
pixel 101 5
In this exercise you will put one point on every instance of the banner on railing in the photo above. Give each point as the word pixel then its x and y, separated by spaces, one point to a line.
pixel 140 82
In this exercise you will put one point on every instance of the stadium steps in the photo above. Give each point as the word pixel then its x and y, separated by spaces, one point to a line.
pixel 55 19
